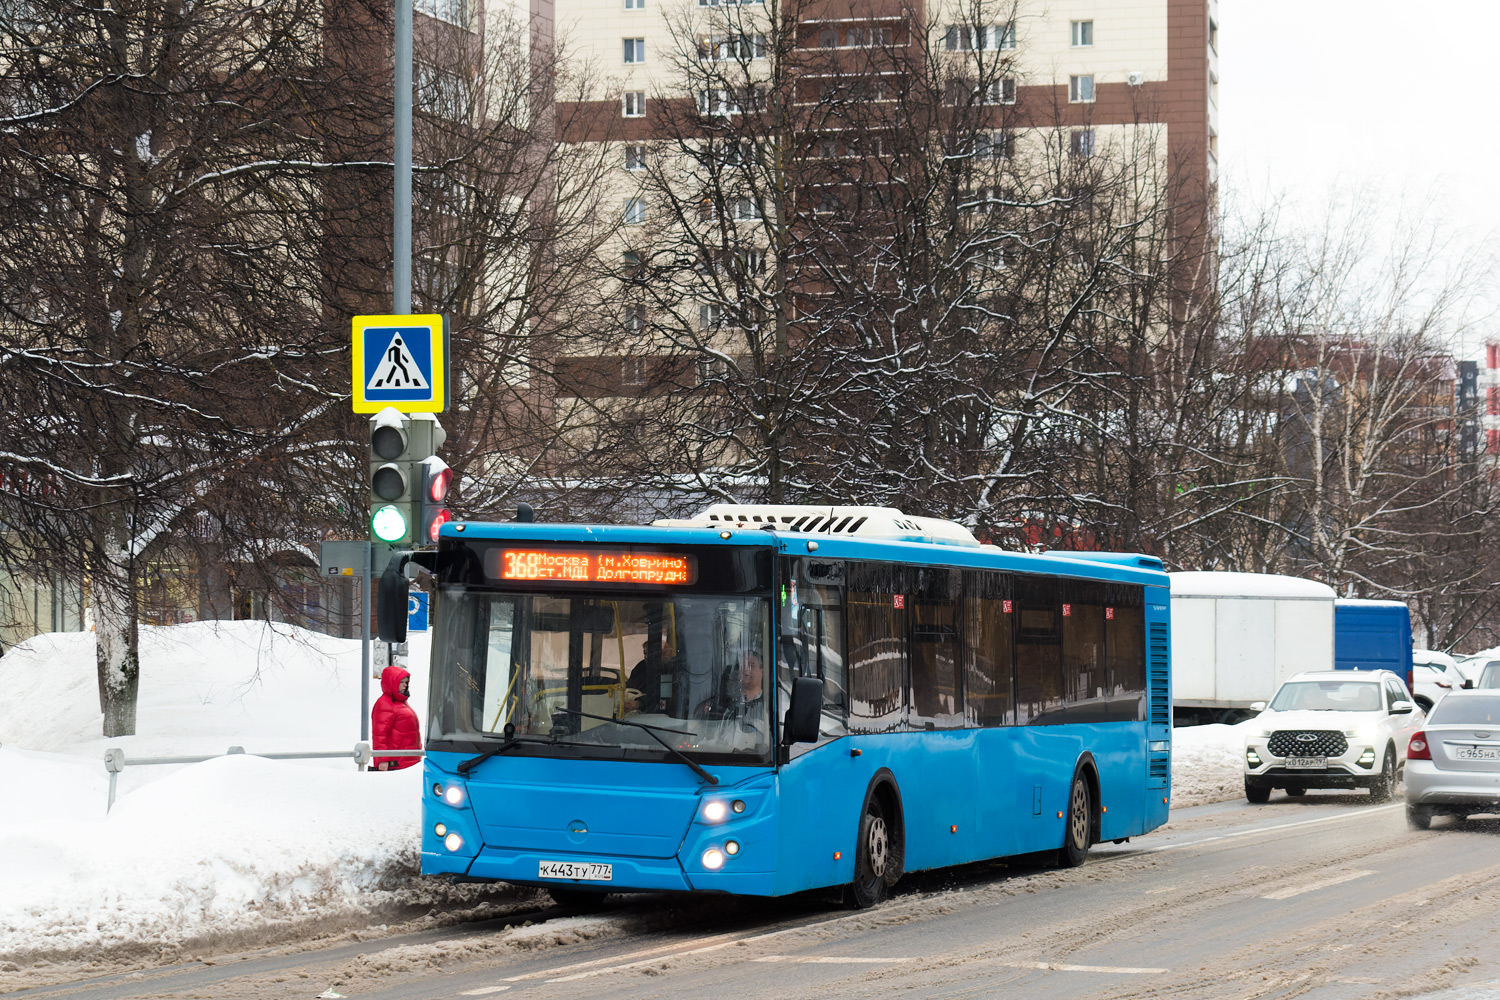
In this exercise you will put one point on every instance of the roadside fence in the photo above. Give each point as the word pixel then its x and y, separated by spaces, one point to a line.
pixel 115 760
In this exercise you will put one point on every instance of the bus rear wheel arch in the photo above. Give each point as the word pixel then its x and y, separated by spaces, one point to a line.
pixel 1081 819
pixel 880 845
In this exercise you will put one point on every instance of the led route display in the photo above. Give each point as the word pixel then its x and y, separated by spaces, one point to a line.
pixel 596 566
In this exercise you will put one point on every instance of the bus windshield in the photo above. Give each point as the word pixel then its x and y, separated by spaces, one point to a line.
pixel 564 665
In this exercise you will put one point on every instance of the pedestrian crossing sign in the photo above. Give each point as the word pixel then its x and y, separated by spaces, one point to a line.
pixel 401 361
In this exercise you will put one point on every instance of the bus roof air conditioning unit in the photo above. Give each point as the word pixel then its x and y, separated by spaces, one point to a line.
pixel 850 522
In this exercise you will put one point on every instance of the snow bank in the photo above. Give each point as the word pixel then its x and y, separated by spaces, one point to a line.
pixel 1208 763
pixel 220 847
pixel 209 851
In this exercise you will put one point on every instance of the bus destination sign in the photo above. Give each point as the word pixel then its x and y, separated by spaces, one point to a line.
pixel 596 566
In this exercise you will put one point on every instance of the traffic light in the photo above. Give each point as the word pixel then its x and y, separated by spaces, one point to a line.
pixel 400 444
pixel 433 512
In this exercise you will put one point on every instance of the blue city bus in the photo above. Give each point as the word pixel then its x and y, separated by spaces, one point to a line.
pixel 768 700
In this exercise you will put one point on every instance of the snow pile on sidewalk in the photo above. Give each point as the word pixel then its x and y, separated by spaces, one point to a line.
pixel 1208 763
pixel 232 846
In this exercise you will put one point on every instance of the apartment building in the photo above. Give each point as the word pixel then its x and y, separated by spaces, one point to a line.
pixel 1088 77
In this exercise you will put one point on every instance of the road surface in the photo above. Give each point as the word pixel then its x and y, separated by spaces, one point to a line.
pixel 1325 897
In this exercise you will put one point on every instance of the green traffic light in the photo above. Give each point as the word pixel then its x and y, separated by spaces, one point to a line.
pixel 388 523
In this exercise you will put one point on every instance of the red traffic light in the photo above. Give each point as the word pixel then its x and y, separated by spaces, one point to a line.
pixel 438 483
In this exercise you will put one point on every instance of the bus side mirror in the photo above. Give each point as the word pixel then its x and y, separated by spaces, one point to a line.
pixel 390 609
pixel 801 722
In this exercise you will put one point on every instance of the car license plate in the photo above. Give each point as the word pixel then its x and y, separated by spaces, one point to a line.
pixel 1307 763
pixel 1476 753
pixel 582 871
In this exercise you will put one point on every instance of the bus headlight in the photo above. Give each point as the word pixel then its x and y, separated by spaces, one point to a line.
pixel 441 829
pixel 713 859
pixel 731 847
pixel 453 842
pixel 715 811
pixel 454 795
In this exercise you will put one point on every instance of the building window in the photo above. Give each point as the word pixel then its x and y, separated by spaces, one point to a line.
pixel 732 48
pixel 995 145
pixel 633 371
pixel 441 92
pixel 1083 33
pixel 635 210
pixel 710 316
pixel 1082 142
pixel 1002 91
pixel 635 4
pixel 631 269
pixel 633 318
pixel 712 369
pixel 719 102
pixel 744 209
pixel 635 50
pixel 452 11
pixel 984 37
pixel 1213 35
pixel 868 37
pixel 635 104
pixel 635 157
pixel 1081 89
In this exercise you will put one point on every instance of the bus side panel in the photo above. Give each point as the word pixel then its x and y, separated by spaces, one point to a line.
pixel 1119 750
pixel 937 772
pixel 818 800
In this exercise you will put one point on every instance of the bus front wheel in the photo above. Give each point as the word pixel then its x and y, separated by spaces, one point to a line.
pixel 1077 834
pixel 871 859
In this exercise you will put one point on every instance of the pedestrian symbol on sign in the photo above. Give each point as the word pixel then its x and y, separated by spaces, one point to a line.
pixel 397 369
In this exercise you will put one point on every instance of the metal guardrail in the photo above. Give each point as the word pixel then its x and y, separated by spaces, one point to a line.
pixel 115 760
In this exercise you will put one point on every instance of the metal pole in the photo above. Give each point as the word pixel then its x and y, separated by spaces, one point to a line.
pixel 364 647
pixel 401 290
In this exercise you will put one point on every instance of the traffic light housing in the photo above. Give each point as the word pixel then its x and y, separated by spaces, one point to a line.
pixel 432 505
pixel 400 444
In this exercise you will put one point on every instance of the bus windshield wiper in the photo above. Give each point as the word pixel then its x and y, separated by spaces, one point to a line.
pixel 651 731
pixel 464 767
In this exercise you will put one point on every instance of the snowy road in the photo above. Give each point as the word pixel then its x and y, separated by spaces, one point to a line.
pixel 1326 897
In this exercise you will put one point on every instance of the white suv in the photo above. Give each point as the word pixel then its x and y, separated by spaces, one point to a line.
pixel 1331 729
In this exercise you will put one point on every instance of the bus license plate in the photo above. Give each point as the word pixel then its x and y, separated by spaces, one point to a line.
pixel 577 870
pixel 1308 763
pixel 1476 753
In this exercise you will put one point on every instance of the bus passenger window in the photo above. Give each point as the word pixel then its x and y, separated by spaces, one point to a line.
pixel 1084 679
pixel 936 699
pixel 877 650
pixel 1125 653
pixel 1039 688
pixel 988 615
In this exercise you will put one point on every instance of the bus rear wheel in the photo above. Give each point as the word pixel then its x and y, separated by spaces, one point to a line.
pixel 1077 834
pixel 871 859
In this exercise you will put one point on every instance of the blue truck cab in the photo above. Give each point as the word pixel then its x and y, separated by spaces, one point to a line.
pixel 1373 635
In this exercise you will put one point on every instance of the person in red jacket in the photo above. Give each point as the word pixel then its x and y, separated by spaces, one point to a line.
pixel 393 724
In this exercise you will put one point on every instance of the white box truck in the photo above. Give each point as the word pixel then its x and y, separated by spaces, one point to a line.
pixel 1237 636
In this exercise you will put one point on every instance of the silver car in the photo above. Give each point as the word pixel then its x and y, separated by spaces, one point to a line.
pixel 1453 763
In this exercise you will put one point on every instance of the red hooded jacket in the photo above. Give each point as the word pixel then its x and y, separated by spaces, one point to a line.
pixel 393 724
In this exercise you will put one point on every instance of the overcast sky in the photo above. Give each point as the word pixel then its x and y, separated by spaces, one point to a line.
pixel 1389 99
